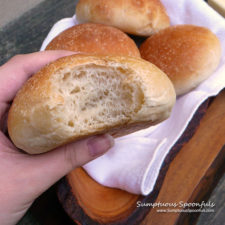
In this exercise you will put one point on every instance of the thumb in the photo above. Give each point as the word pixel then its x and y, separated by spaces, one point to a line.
pixel 49 167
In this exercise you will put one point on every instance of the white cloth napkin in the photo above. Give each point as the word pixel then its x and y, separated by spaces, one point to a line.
pixel 133 164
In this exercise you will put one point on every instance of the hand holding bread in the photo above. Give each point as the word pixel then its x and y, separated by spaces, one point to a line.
pixel 34 174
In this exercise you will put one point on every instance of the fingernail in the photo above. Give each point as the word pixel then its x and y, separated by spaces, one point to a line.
pixel 100 144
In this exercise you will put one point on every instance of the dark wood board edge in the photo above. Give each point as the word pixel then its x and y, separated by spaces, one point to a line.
pixel 77 214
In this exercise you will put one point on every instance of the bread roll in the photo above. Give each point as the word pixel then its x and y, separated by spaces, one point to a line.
pixel 79 95
pixel 95 39
pixel 188 54
pixel 138 17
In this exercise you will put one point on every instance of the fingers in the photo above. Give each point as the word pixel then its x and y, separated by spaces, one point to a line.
pixel 17 70
pixel 50 167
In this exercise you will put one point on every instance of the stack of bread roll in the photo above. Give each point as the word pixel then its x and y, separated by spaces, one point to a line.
pixel 111 85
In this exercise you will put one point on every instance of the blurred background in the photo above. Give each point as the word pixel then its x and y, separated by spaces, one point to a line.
pixel 25 23
pixel 11 10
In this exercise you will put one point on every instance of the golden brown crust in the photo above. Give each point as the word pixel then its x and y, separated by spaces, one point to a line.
pixel 96 39
pixel 34 122
pixel 188 54
pixel 138 17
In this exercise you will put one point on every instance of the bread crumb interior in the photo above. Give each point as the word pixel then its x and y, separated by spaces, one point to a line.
pixel 96 96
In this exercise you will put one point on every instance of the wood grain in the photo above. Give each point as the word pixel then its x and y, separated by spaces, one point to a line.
pixel 101 203
pixel 95 204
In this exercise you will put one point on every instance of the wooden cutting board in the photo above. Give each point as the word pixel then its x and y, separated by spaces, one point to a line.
pixel 189 174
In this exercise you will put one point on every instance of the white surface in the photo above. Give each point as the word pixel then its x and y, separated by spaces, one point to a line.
pixel 134 162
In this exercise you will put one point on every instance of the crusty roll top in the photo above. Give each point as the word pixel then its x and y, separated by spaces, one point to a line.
pixel 188 54
pixel 138 17
pixel 95 39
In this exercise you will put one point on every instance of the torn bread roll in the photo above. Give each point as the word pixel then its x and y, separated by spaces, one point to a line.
pixel 188 54
pixel 79 95
pixel 138 17
pixel 96 39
